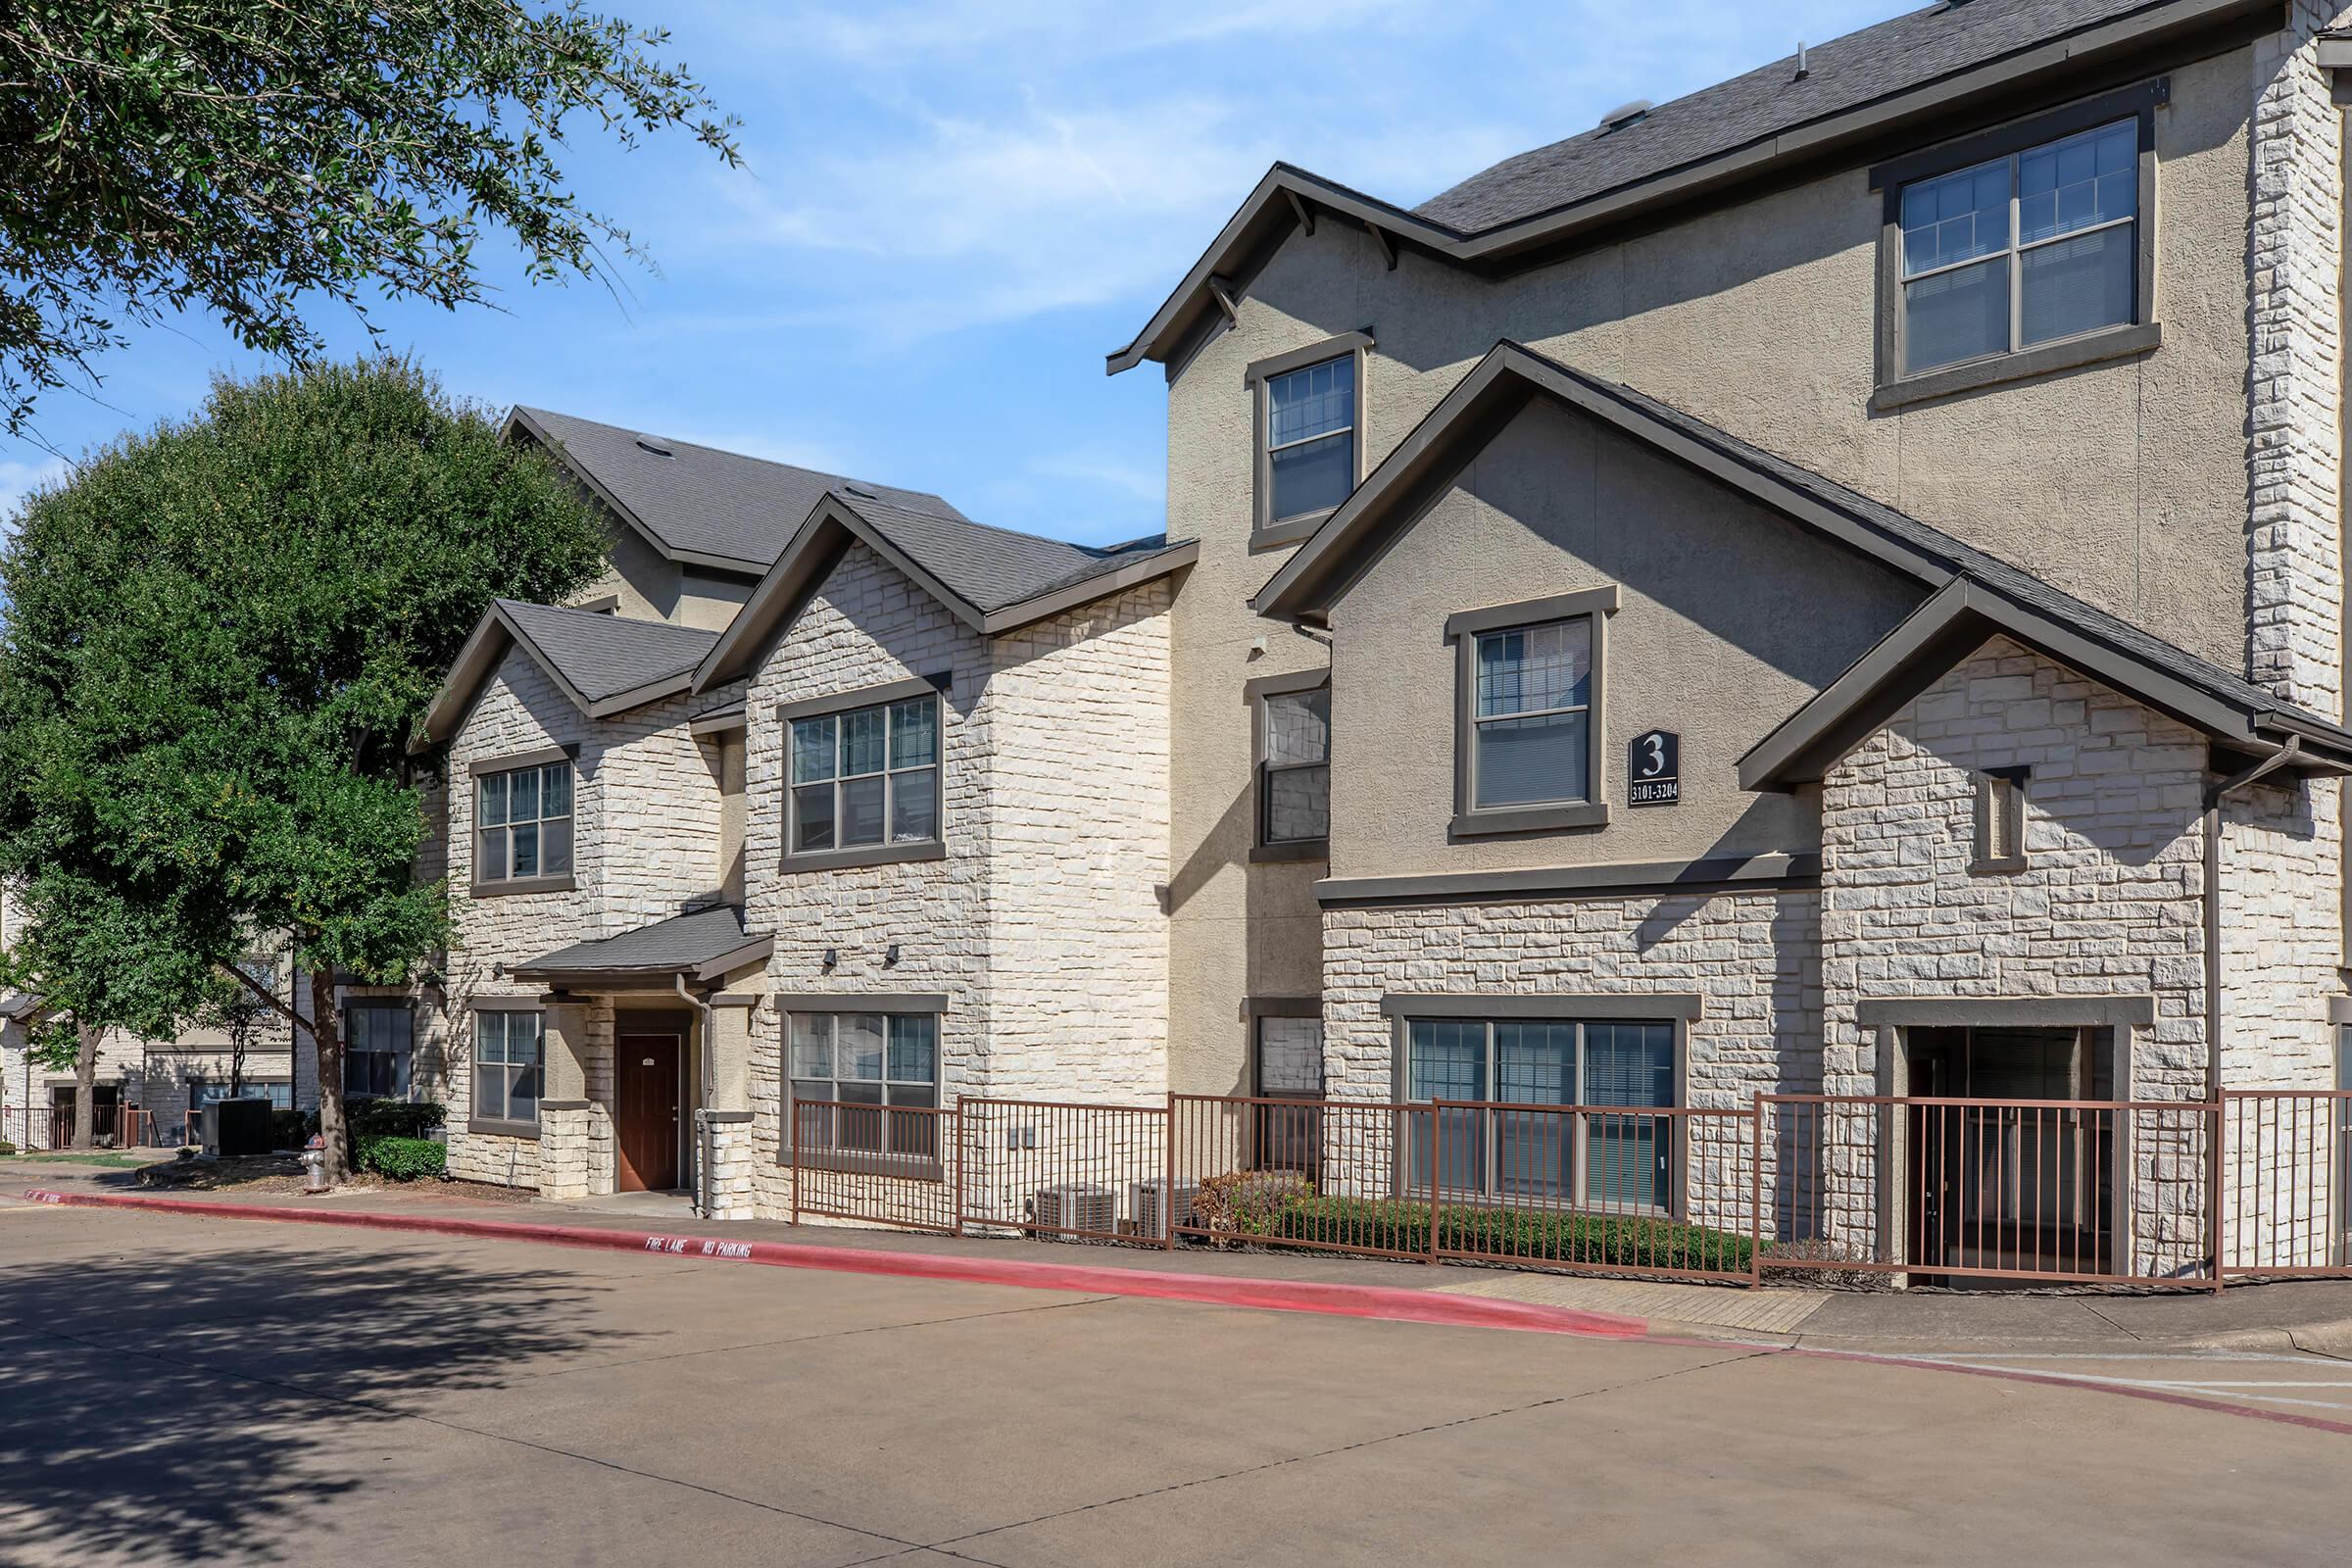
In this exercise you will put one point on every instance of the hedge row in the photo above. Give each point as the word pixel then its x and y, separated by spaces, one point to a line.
pixel 403 1159
pixel 1613 1241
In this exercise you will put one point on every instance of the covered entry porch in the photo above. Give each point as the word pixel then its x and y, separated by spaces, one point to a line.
pixel 647 1062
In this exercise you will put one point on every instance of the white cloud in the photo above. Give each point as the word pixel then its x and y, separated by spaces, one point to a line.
pixel 1105 472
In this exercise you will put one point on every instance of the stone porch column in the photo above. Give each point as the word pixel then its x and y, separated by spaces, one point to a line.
pixel 728 1116
pixel 567 1166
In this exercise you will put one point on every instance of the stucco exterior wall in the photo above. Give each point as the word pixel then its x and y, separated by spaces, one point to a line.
pixel 2123 482
pixel 650 586
pixel 1730 618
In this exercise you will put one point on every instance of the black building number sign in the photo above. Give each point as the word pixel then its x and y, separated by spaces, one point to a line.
pixel 1653 768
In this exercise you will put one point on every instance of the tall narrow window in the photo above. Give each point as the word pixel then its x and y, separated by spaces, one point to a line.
pixel 377 1045
pixel 1294 775
pixel 506 1051
pixel 2033 248
pixel 523 822
pixel 867 777
pixel 1531 735
pixel 1311 439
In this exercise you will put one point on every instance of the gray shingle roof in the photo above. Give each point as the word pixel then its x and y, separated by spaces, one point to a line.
pixel 681 942
pixel 602 655
pixel 990 568
pixel 702 501
pixel 1844 73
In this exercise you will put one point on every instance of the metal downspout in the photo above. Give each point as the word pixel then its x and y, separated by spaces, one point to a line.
pixel 701 1111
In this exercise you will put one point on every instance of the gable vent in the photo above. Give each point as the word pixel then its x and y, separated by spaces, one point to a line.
pixel 654 446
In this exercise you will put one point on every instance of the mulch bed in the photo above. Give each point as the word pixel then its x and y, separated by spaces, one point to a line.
pixel 276 1175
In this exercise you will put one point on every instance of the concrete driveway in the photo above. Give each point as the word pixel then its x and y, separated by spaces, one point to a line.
pixel 175 1390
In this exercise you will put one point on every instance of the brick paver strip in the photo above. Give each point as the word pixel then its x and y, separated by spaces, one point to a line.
pixel 1281 1295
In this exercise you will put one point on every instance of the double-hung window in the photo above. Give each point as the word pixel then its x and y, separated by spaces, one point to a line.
pixel 1288 1066
pixel 1308 434
pixel 1527 756
pixel 1598 1157
pixel 865 778
pixel 522 823
pixel 507 1054
pixel 377 1045
pixel 1532 727
pixel 1294 768
pixel 866 1084
pixel 2022 250
pixel 1311 439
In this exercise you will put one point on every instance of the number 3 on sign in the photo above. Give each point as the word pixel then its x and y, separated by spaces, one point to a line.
pixel 1655 768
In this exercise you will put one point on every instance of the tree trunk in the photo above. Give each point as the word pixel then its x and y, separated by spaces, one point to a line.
pixel 86 1085
pixel 328 1031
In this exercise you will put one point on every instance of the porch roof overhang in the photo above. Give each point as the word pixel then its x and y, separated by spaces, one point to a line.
pixel 701 946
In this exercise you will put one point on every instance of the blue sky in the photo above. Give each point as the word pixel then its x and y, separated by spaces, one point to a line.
pixel 952 209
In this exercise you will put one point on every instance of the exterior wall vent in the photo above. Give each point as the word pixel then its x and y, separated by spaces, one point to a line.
pixel 1625 115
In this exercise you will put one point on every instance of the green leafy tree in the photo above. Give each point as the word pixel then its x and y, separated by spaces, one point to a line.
pixel 217 641
pixel 250 160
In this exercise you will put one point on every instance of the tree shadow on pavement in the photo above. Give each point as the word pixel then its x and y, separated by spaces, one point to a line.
pixel 181 1408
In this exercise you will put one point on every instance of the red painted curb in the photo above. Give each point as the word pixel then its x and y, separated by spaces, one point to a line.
pixel 1280 1295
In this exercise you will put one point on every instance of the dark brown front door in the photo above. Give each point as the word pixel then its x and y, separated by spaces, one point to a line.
pixel 646 1137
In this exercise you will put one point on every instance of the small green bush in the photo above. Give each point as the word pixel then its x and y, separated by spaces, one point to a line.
pixel 6 1148
pixel 404 1160
pixel 394 1118
pixel 1602 1240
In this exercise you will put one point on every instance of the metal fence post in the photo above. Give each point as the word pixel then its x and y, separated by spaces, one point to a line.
pixel 792 1134
pixel 1167 1187
pixel 2215 1183
pixel 959 1163
pixel 1756 1199
pixel 1437 1166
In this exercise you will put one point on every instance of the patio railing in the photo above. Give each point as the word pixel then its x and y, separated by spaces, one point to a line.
pixel 1857 1188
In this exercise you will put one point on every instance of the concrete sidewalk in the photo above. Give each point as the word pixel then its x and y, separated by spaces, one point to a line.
pixel 2314 1316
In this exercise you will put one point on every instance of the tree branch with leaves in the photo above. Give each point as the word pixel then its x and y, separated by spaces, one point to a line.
pixel 246 159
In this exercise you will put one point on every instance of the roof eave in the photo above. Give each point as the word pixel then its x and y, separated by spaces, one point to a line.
pixel 1025 612
pixel 1954 622
pixel 2056 59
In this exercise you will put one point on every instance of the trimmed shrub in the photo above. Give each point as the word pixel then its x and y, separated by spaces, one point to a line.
pixel 394 1118
pixel 6 1148
pixel 403 1159
pixel 1248 1202
pixel 1602 1240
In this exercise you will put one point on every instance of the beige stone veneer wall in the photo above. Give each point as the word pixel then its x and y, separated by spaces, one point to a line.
pixel 1041 924
pixel 645 846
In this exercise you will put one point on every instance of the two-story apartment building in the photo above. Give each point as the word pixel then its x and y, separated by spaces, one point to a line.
pixel 1829 585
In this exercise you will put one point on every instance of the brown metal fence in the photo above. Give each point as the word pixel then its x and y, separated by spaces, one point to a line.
pixel 1928 1189
pixel 1938 1188
pixel 1049 1168
pixel 2287 1184
pixel 882 1165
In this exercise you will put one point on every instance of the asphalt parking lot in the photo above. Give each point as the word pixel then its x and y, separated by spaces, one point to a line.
pixel 181 1391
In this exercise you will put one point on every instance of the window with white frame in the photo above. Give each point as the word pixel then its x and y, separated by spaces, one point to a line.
pixel 1294 768
pixel 865 1083
pixel 522 823
pixel 377 1044
pixel 507 1051
pixel 1530 716
pixel 1600 1158
pixel 867 777
pixel 2032 248
pixel 1311 439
